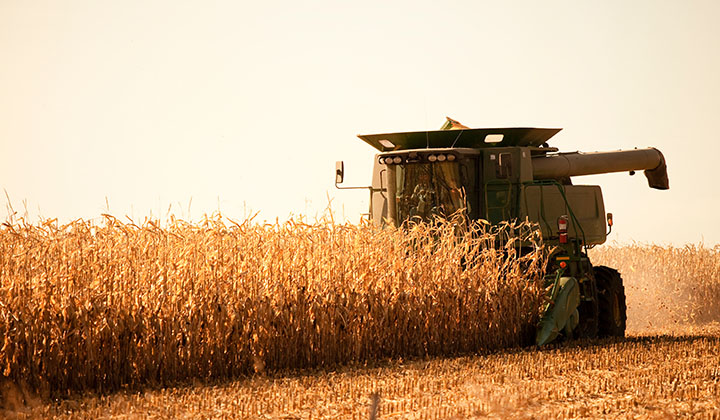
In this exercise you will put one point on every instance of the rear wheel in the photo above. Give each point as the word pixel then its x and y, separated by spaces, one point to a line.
pixel 611 302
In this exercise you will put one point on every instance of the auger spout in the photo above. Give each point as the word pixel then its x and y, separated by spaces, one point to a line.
pixel 565 165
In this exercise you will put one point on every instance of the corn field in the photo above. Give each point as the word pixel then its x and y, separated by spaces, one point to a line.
pixel 101 307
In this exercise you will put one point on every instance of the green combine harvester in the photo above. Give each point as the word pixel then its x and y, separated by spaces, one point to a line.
pixel 503 174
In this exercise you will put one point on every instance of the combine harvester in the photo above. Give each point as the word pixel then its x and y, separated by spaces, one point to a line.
pixel 503 174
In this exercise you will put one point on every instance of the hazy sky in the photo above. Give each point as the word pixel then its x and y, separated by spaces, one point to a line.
pixel 246 106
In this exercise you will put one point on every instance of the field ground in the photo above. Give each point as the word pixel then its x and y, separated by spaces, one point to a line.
pixel 644 376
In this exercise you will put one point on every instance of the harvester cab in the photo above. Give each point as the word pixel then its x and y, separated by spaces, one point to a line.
pixel 503 174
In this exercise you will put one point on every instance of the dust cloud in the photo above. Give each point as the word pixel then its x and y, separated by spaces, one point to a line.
pixel 669 290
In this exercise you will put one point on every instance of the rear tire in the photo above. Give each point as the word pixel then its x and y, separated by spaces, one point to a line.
pixel 611 302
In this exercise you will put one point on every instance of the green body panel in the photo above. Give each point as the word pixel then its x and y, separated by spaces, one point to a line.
pixel 500 173
pixel 544 204
pixel 562 312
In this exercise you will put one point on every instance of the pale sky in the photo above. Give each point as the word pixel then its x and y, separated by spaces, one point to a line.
pixel 246 106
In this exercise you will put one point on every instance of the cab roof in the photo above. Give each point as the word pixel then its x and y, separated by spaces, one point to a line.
pixel 475 138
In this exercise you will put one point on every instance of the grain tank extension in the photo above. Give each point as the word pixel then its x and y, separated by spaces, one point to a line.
pixel 500 174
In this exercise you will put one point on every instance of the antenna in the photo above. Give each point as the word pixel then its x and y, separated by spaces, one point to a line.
pixel 456 138
pixel 427 135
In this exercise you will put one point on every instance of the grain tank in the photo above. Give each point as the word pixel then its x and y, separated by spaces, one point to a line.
pixel 501 174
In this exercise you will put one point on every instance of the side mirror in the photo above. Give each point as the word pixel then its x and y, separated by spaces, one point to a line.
pixel 340 176
pixel 339 171
pixel 610 219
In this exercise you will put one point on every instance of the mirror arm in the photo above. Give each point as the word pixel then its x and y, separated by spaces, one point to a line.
pixel 352 188
pixel 340 176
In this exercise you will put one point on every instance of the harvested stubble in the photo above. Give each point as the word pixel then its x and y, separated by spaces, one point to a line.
pixel 664 377
pixel 667 287
pixel 101 307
